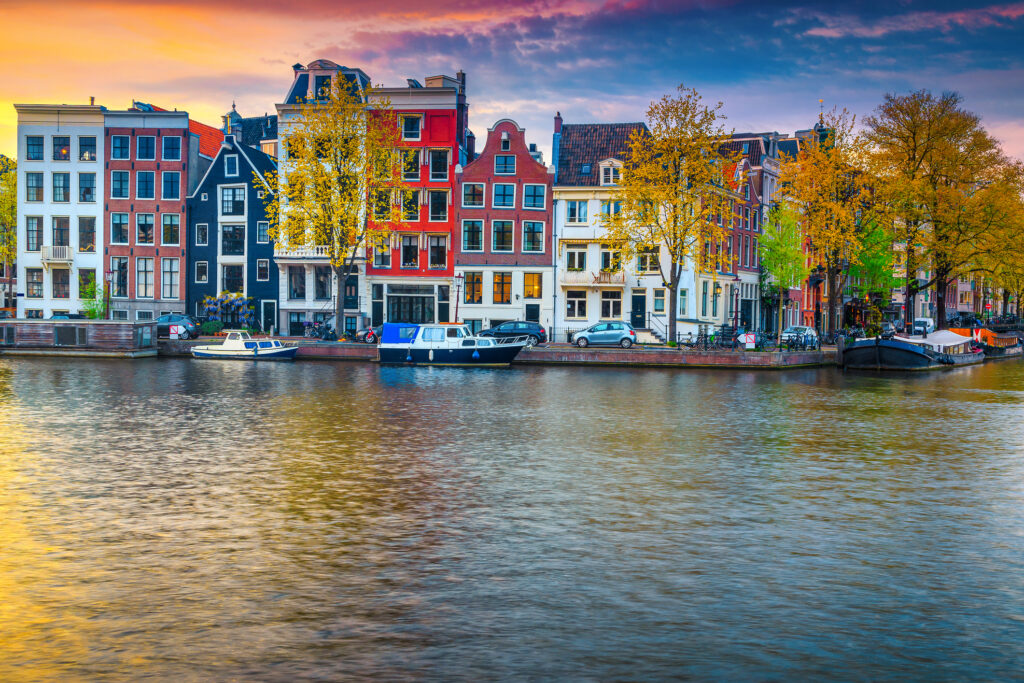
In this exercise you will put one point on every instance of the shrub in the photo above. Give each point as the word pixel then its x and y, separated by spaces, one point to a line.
pixel 672 344
pixel 211 327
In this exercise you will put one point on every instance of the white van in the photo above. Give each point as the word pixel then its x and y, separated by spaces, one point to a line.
pixel 927 323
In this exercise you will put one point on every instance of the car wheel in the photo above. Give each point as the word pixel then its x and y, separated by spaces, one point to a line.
pixel 532 340
pixel 626 343
pixel 582 342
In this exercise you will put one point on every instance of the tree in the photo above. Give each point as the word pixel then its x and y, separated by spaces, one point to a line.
pixel 8 216
pixel 677 176
pixel 342 154
pixel 825 181
pixel 782 252
pixel 93 302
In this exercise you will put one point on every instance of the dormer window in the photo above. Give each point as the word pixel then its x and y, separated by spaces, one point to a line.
pixel 322 87
pixel 411 127
pixel 585 169
pixel 610 175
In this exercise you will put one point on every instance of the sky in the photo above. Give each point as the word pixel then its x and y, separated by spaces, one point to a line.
pixel 594 61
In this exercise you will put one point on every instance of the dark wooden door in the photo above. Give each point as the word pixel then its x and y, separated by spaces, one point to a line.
pixel 638 318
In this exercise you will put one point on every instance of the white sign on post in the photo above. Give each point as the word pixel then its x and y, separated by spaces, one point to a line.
pixel 177 331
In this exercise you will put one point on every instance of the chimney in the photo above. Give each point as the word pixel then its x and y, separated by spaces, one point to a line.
pixel 558 122
pixel 227 124
pixel 460 76
pixel 92 100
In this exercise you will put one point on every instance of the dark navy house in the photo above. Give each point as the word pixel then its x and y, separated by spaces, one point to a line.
pixel 229 248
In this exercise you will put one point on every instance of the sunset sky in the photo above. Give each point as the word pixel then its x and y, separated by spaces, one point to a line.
pixel 592 60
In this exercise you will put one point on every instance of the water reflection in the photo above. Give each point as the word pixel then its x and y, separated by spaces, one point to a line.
pixel 332 520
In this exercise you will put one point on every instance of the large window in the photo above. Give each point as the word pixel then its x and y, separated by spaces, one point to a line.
pixel 62 187
pixel 34 283
pixel 472 236
pixel 611 260
pixel 61 231
pixel 34 187
pixel 172 148
pixel 87 234
pixel 119 147
pixel 86 279
pixel 322 281
pixel 532 285
pixel 262 232
pixel 411 127
pixel 61 283
pixel 34 148
pixel 61 148
pixel 437 252
pixel 119 284
pixel 576 212
pixel 503 288
pixel 473 195
pixel 119 228
pixel 87 148
pixel 33 233
pixel 474 288
pixel 86 187
pixel 575 260
pixel 647 261
pixel 684 296
pixel 145 185
pixel 410 205
pixel 610 175
pixel 439 164
pixel 202 272
pixel 504 164
pixel 147 148
pixel 170 234
pixel 169 271
pixel 438 205
pixel 144 228
pixel 704 299
pixel 610 208
pixel 502 235
pixel 232 240
pixel 170 185
pixel 533 236
pixel 119 184
pixel 534 196
pixel 410 251
pixel 232 201
pixel 659 301
pixel 611 304
pixel 504 196
pixel 144 278
pixel 411 164
pixel 382 253
pixel 576 304
pixel 233 278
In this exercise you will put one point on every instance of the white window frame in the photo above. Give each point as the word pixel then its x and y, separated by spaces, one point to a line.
pixel 258 262
pixel 544 197
pixel 128 146
pixel 585 297
pixel 512 248
pixel 138 143
pixel 227 159
pixel 119 314
pixel 129 189
pixel 168 244
pixel 483 196
pixel 448 201
pixel 505 173
pixel 164 260
pixel 258 224
pixel 570 255
pixel 137 184
pixel 195 274
pixel 151 272
pixel 522 238
pixel 140 313
pixel 419 163
pixel 163 175
pixel 206 242
pixel 163 148
pixel 430 164
pixel 463 226
pixel 614 171
pixel 401 126
pixel 145 244
pixel 494 190
pixel 576 203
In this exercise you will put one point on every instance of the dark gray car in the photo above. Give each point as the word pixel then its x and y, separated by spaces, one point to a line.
pixel 164 322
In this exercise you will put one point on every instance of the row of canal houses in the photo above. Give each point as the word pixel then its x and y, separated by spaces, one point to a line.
pixel 167 211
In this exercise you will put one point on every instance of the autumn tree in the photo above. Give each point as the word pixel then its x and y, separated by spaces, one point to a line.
pixel 677 176
pixel 8 216
pixel 341 163
pixel 782 253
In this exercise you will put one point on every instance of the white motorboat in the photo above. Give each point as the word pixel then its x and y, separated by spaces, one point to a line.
pixel 238 345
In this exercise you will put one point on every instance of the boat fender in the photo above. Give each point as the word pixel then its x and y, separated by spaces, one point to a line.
pixel 408 355
pixel 430 355
pixel 476 355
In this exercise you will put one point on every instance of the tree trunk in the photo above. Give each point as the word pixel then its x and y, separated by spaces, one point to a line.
pixel 1006 301
pixel 941 284
pixel 779 331
pixel 7 285
pixel 908 304
pixel 673 286
pixel 832 273
pixel 339 301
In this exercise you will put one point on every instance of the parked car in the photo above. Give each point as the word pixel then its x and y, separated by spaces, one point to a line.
pixel 6 313
pixel 517 328
pixel 888 330
pixel 615 334
pixel 164 322
pixel 800 334
pixel 68 316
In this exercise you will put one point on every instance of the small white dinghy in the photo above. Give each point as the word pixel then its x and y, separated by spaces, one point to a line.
pixel 238 345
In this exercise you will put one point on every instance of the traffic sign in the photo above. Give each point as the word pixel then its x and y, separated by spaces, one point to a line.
pixel 988 306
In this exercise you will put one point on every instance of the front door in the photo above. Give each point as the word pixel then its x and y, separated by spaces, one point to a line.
pixel 268 315
pixel 638 319
pixel 532 313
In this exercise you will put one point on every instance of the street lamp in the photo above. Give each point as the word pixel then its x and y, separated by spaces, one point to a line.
pixel 459 279
pixel 109 277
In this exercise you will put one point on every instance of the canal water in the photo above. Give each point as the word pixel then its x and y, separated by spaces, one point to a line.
pixel 189 520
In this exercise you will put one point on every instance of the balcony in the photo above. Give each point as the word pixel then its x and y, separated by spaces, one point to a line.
pixel 320 252
pixel 59 254
pixel 583 278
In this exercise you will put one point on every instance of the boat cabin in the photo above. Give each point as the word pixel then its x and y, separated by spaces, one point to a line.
pixel 432 336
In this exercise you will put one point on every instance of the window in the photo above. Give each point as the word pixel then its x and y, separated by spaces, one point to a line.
pixel 576 212
pixel 119 228
pixel 169 269
pixel 86 280
pixel 87 234
pixel 145 185
pixel 533 196
pixel 232 242
pixel 232 201
pixel 410 205
pixel 504 164
pixel 411 164
pixel 263 270
pixel 704 299
pixel 322 282
pixel 119 284
pixel 87 148
pixel 714 301
pixel 143 315
pixel 231 165
pixel 506 144
pixel 202 272
pixel 171 233
pixel 34 147
pixel 62 187
pixel 504 196
pixel 144 278
pixel 503 288
pixel 746 217
pixel 119 147
pixel 146 150
pixel 437 252
pixel 610 208
pixel 532 285
pixel 61 283
pixel 262 232
pixel 473 195
pixel 202 234
pixel 61 231
pixel 321 87
pixel 576 304
pixel 34 283
pixel 34 187
pixel 659 301
pixel 119 314
pixel 746 250
pixel 576 260
pixel 472 236
pixel 144 228
pixel 647 261
pixel 439 164
pixel 382 206
pixel 86 187
pixel 233 278
pixel 61 148
pixel 170 185
pixel 610 175
pixel 438 205
pixel 753 253
pixel 474 288
pixel 382 253
pixel 502 235
pixel 410 127
pixel 611 260
pixel 611 304
pixel 410 251
pixel 171 148
pixel 119 184
pixel 533 236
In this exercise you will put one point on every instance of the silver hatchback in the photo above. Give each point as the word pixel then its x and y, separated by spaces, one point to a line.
pixel 614 334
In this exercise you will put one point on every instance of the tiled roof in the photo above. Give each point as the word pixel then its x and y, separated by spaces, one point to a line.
pixel 589 143
pixel 789 147
pixel 209 137
pixel 754 147
pixel 254 129
pixel 297 93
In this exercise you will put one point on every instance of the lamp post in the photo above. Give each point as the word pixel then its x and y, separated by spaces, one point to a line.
pixel 459 279
pixel 109 277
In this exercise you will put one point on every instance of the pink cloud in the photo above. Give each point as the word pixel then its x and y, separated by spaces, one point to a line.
pixel 840 26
